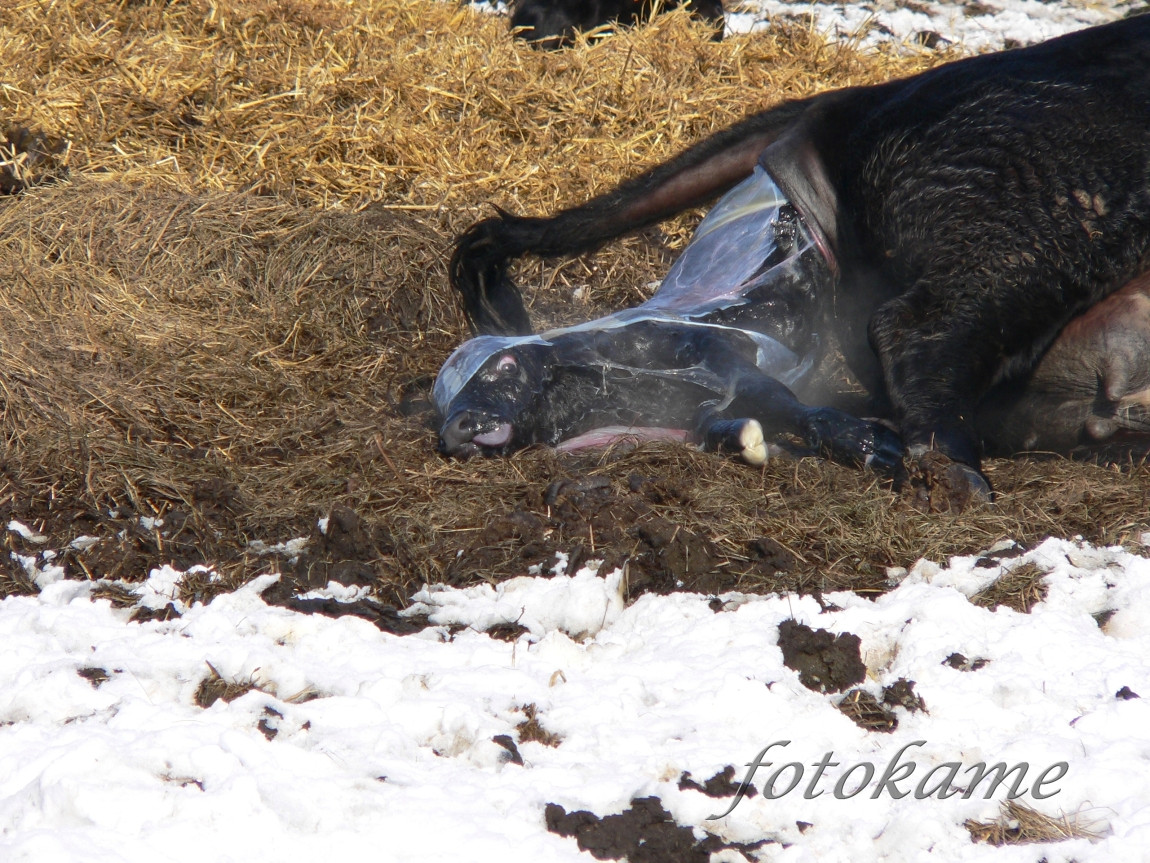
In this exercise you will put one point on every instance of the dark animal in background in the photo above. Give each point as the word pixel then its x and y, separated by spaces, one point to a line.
pixel 553 23
pixel 964 216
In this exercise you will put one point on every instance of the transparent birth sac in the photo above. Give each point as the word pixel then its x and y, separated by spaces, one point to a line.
pixel 719 271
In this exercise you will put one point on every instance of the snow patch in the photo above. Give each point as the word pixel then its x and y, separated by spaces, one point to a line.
pixel 579 605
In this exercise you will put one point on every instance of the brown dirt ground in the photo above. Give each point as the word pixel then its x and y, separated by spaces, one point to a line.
pixel 643 833
pixel 225 301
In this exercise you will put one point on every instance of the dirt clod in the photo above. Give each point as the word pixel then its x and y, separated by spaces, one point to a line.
pixel 825 662
pixel 961 663
pixel 268 723
pixel 936 484
pixel 386 618
pixel 346 549
pixel 773 557
pixel 722 784
pixel 214 687
pixel 531 730
pixel 142 614
pixel 671 558
pixel 507 631
pixel 95 676
pixel 644 833
pixel 901 694
pixel 868 712
pixel 995 557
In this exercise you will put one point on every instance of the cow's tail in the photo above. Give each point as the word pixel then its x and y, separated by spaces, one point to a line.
pixel 492 302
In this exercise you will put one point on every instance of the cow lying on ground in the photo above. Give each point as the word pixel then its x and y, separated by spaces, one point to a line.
pixel 962 218
pixel 553 23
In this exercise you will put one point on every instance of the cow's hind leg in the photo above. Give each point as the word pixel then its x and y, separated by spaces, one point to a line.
pixel 942 345
pixel 937 362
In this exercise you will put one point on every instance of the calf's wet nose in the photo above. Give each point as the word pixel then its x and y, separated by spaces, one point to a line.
pixel 457 432
pixel 467 433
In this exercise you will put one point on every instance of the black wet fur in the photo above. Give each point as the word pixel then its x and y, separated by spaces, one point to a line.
pixel 631 376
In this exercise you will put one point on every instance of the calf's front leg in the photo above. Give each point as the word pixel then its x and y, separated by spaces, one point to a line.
pixel 760 409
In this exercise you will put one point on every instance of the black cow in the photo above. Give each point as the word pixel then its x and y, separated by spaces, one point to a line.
pixel 964 216
pixel 553 23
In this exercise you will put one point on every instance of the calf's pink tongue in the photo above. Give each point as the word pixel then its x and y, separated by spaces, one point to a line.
pixel 498 436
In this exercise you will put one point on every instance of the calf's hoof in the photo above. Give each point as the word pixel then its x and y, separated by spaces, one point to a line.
pixel 743 437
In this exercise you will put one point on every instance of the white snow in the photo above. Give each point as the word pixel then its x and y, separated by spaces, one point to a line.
pixel 973 26
pixel 21 529
pixel 393 755
pixel 579 606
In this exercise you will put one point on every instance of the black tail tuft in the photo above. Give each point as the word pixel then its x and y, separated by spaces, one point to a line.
pixel 491 302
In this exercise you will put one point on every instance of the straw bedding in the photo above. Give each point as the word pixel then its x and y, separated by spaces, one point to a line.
pixel 225 301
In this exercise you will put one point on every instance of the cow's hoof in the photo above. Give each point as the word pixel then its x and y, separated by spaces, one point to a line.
pixel 940 484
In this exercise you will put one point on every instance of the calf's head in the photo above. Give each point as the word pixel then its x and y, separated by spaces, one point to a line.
pixel 488 392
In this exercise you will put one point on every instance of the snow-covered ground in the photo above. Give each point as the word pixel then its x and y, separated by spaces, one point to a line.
pixel 974 25
pixel 358 745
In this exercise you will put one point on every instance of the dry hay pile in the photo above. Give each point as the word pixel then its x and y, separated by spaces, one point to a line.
pixel 229 311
